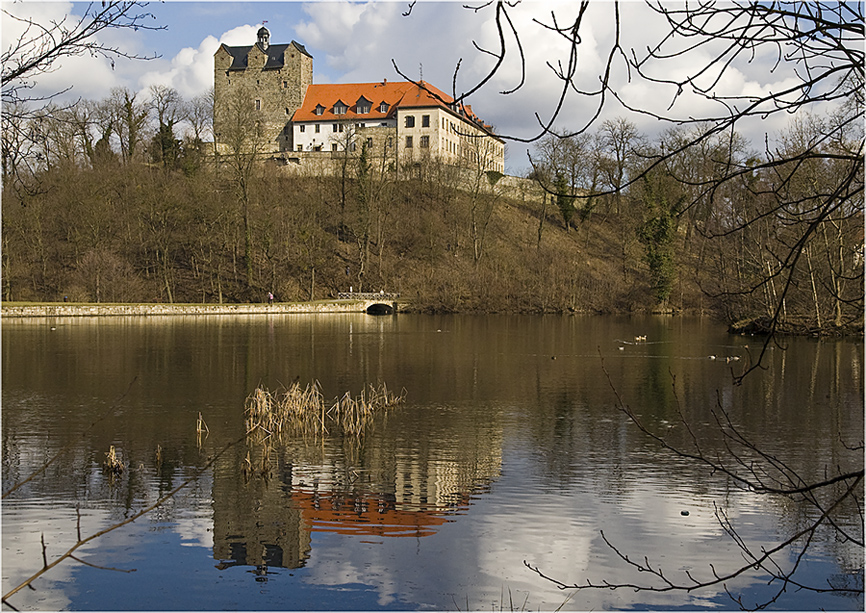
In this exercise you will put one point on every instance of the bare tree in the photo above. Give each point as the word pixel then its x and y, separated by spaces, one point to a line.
pixel 64 136
pixel 618 141
pixel 819 47
pixel 130 119
pixel 818 44
pixel 14 140
pixel 170 109
pixel 482 192
pixel 40 48
pixel 100 119
pixel 575 161
pixel 240 144
pixel 199 114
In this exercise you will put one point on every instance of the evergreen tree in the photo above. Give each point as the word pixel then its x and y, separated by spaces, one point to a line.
pixel 564 200
pixel 657 234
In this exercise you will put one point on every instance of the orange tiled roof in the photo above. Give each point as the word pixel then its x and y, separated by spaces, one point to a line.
pixel 399 94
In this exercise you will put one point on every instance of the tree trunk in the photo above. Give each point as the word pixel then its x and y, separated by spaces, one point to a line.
pixel 814 289
pixel 541 218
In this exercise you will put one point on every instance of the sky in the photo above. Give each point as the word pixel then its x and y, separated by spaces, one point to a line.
pixel 369 41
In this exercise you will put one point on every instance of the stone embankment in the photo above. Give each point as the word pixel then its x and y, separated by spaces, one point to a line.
pixel 98 310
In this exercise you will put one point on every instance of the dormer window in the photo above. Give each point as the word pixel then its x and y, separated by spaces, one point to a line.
pixel 362 106
pixel 320 110
pixel 340 108
pixel 383 108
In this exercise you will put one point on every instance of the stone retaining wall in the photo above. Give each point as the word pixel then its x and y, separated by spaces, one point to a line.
pixel 99 310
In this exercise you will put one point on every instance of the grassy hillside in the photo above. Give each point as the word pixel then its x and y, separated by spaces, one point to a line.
pixel 136 234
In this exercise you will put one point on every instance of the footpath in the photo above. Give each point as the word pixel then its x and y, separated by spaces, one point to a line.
pixel 99 310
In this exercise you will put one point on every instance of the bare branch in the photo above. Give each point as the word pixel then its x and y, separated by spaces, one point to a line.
pixel 81 542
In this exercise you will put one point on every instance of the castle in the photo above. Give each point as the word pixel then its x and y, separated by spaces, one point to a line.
pixel 301 121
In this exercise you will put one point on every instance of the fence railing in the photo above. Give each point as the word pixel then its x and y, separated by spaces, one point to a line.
pixel 367 296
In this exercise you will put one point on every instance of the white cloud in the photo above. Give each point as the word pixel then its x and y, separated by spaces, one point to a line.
pixel 84 76
pixel 26 526
pixel 332 24
pixel 190 72
pixel 356 42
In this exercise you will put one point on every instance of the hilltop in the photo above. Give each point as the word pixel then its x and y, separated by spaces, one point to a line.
pixel 139 234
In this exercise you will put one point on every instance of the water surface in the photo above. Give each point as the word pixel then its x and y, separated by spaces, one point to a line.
pixel 509 449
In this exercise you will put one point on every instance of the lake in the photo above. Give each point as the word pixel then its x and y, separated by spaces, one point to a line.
pixel 509 449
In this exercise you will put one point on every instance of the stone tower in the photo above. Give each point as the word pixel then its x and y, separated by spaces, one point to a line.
pixel 273 79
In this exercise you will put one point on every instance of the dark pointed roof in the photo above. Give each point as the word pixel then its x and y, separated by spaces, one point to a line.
pixel 275 54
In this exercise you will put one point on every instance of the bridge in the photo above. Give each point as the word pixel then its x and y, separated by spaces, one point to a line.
pixel 377 303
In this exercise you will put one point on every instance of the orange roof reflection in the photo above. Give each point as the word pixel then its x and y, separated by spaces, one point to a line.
pixel 365 514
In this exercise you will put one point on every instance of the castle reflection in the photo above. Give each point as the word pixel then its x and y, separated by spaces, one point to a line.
pixel 366 514
pixel 393 489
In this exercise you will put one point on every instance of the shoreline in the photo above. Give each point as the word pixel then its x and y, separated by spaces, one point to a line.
pixel 14 311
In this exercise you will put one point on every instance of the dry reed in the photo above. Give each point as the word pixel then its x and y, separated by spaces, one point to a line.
pixel 302 410
pixel 112 464
pixel 200 428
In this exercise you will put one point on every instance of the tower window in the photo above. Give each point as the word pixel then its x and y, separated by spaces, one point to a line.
pixel 258 105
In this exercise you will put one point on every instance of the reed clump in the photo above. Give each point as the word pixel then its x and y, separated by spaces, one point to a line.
pixel 353 414
pixel 303 410
pixel 112 464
